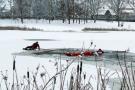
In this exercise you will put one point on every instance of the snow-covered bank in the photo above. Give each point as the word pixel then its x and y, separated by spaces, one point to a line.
pixel 57 25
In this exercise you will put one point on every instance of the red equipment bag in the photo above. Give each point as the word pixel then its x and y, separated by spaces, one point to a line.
pixel 88 53
pixel 72 53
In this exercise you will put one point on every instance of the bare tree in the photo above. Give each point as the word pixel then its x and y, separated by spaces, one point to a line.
pixel 19 5
pixel 41 9
pixel 62 10
pixel 78 10
pixel 11 9
pixel 93 7
pixel 22 8
pixel 117 6
pixel 2 6
pixel 73 10
pixel 132 3
pixel 86 11
pixel 49 10
pixel 69 10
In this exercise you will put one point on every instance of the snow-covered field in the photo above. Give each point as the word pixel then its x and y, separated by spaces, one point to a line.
pixel 13 42
pixel 57 25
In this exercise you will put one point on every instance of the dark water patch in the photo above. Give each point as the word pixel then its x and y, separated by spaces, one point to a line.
pixel 60 31
pixel 40 40
pixel 74 31
pixel 109 57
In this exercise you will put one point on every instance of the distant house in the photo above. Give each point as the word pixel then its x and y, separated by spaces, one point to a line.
pixel 108 15
pixel 105 13
pixel 103 10
pixel 128 13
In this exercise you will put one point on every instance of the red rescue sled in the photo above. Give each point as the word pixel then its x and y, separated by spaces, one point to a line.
pixel 72 53
pixel 86 53
pixel 77 53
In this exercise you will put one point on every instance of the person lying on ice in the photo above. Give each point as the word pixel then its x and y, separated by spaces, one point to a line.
pixel 34 46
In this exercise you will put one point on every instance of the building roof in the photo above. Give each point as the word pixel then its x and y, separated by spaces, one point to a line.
pixel 127 9
pixel 103 10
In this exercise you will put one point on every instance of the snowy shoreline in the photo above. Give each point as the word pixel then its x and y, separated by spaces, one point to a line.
pixel 106 29
pixel 58 26
pixel 2 28
pixel 18 28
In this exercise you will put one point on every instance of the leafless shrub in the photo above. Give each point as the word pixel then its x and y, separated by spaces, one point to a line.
pixel 78 79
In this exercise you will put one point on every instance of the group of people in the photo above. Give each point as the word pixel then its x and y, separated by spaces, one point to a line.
pixel 36 45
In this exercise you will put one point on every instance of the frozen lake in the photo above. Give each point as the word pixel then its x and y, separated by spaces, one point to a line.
pixel 14 41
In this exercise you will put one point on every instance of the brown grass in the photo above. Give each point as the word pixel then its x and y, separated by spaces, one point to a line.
pixel 106 29
pixel 18 28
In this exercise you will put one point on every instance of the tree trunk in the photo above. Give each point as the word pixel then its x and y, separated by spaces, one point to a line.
pixel 22 20
pixel 21 12
pixel 118 19
pixel 94 18
pixel 118 23
pixel 69 20
pixel 63 20
pixel 79 20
